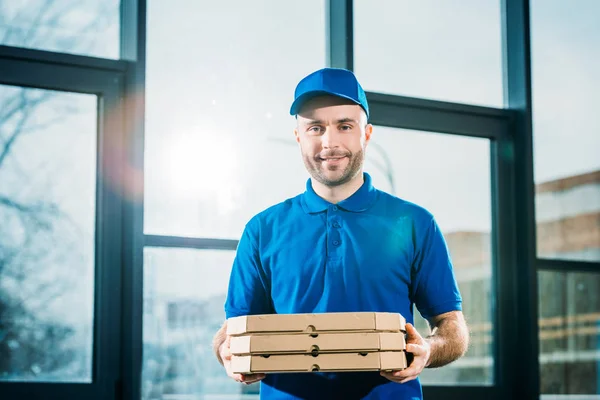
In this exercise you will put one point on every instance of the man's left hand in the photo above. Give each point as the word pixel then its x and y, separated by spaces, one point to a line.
pixel 421 351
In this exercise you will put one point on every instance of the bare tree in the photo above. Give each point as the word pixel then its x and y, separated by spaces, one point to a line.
pixel 39 258
pixel 29 226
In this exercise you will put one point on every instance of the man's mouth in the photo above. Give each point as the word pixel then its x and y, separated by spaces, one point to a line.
pixel 332 161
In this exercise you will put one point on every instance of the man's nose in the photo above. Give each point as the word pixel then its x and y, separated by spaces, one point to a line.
pixel 329 139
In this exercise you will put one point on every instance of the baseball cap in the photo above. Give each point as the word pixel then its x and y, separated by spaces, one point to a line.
pixel 329 81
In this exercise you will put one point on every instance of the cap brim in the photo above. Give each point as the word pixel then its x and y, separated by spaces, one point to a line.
pixel 299 102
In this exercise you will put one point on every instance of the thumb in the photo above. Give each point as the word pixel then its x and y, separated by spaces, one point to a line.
pixel 412 333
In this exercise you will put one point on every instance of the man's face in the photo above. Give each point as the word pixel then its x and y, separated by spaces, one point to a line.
pixel 333 134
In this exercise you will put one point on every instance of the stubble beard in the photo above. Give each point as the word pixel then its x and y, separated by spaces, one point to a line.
pixel 318 171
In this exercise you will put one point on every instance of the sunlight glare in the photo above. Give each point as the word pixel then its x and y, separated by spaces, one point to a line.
pixel 202 165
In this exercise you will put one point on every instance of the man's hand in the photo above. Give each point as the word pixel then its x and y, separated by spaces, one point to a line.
pixel 421 351
pixel 225 354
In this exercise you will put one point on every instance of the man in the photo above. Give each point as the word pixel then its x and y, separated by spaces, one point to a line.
pixel 343 245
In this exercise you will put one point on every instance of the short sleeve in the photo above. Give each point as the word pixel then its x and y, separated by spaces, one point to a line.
pixel 248 290
pixel 434 286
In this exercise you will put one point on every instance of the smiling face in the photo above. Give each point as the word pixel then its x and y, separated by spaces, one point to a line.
pixel 333 135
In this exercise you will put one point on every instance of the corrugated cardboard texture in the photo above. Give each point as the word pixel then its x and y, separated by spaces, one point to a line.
pixel 340 362
pixel 303 343
pixel 325 322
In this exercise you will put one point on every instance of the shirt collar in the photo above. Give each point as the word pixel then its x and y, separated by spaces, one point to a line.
pixel 360 201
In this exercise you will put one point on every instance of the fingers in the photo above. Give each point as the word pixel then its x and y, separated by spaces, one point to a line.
pixel 399 379
pixel 246 378
pixel 224 350
pixel 226 354
pixel 252 378
pixel 412 335
pixel 419 353
pixel 242 378
pixel 416 350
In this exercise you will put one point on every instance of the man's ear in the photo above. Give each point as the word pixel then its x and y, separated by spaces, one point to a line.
pixel 297 135
pixel 368 132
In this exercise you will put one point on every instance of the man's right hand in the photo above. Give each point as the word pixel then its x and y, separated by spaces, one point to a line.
pixel 225 353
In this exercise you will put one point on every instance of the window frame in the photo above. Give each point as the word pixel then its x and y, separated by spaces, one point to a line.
pixel 23 68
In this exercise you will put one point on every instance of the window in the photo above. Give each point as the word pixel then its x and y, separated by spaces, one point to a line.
pixel 184 293
pixel 88 27
pixel 569 323
pixel 450 177
pixel 47 235
pixel 565 82
pixel 218 129
pixel 414 48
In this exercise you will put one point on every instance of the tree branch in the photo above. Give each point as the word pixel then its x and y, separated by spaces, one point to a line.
pixel 26 105
pixel 37 208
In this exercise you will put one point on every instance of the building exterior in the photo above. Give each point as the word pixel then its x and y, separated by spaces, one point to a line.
pixel 568 227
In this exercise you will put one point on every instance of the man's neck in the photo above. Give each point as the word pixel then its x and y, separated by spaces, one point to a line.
pixel 336 194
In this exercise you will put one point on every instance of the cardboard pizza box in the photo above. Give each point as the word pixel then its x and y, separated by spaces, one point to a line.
pixel 324 322
pixel 304 343
pixel 334 362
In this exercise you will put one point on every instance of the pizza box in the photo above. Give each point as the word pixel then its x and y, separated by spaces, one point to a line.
pixel 316 343
pixel 333 362
pixel 310 323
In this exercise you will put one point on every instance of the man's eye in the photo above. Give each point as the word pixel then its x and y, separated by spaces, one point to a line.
pixel 345 127
pixel 314 129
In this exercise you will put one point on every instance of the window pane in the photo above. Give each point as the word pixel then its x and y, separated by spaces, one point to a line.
pixel 432 49
pixel 565 65
pixel 220 82
pixel 184 293
pixel 47 209
pixel 89 27
pixel 456 190
pixel 569 309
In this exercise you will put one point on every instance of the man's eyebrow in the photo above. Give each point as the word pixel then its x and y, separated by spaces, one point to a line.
pixel 321 122
pixel 346 120
pixel 313 122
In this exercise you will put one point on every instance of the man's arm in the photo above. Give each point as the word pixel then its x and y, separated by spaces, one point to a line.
pixel 449 338
pixel 447 342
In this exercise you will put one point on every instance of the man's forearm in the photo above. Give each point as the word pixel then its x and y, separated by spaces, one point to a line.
pixel 218 340
pixel 449 340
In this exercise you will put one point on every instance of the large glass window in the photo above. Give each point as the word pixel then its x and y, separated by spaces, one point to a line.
pixel 569 322
pixel 184 293
pixel 89 27
pixel 218 129
pixel 565 85
pixel 434 49
pixel 47 234
pixel 450 176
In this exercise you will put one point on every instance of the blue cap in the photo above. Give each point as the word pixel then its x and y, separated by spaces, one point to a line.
pixel 329 81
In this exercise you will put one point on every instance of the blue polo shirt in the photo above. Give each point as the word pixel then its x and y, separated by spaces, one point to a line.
pixel 370 252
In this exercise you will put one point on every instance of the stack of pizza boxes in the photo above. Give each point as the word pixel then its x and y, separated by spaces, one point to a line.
pixel 327 342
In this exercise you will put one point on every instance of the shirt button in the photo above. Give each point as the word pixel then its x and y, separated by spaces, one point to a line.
pixel 336 242
pixel 334 208
pixel 336 225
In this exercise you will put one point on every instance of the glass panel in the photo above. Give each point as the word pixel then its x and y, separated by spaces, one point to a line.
pixel 565 64
pixel 47 209
pixel 432 49
pixel 218 129
pixel 89 27
pixel 184 293
pixel 569 309
pixel 450 176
